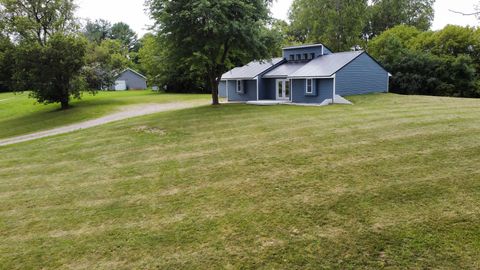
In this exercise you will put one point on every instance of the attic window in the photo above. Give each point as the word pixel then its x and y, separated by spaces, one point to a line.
pixel 309 86
pixel 239 87
pixel 299 57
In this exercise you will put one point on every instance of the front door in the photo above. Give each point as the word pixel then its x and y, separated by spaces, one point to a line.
pixel 283 89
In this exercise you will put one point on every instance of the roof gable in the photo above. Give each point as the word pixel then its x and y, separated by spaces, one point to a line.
pixel 132 71
pixel 251 70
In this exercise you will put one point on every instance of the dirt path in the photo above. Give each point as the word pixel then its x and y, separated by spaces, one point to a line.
pixel 124 113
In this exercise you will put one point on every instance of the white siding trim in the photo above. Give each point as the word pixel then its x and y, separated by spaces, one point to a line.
pixel 258 90
pixel 226 87
pixel 334 88
pixel 388 83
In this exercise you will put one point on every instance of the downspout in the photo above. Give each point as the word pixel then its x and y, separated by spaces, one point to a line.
pixel 388 82
pixel 258 89
pixel 227 90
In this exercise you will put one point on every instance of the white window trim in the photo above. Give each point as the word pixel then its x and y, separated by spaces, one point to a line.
pixel 239 88
pixel 311 86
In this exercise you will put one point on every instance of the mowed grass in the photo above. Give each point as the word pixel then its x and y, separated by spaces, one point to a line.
pixel 20 114
pixel 392 182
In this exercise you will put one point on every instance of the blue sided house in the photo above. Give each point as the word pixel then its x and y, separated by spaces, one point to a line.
pixel 310 74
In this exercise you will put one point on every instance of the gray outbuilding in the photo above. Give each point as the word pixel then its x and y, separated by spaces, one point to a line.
pixel 130 79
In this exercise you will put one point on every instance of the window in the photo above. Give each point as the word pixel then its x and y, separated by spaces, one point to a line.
pixel 305 56
pixel 299 57
pixel 292 57
pixel 240 86
pixel 312 55
pixel 309 86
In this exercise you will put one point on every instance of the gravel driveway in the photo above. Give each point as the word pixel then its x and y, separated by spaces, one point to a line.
pixel 124 113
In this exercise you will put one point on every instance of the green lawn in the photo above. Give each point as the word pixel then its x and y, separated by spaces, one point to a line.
pixel 20 114
pixel 392 182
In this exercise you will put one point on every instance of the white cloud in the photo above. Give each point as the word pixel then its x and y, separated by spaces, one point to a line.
pixel 443 16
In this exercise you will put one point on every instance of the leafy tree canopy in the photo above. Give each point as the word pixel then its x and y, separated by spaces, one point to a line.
pixel 345 24
pixel 203 34
pixel 444 62
pixel 52 72
pixel 6 63
pixel 98 30
pixel 336 23
pixel 385 14
pixel 122 32
pixel 104 62
pixel 38 19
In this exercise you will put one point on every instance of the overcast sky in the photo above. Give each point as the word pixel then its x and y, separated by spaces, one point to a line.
pixel 132 12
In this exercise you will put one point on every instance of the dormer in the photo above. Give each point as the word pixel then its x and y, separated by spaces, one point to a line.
pixel 304 52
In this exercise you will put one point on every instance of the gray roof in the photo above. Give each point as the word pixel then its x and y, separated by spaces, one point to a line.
pixel 251 70
pixel 326 65
pixel 284 70
pixel 134 71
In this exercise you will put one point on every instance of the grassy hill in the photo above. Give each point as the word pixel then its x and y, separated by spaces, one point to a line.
pixel 392 182
pixel 20 115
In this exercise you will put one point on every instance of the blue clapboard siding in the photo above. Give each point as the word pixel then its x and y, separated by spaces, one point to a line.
pixel 222 89
pixel 361 76
pixel 323 90
pixel 250 87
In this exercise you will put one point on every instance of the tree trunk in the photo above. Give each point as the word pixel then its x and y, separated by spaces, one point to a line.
pixel 64 104
pixel 214 85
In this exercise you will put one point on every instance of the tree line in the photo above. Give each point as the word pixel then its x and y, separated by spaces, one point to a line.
pixel 44 48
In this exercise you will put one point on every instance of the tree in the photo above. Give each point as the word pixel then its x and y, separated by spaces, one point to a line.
pixel 202 35
pixel 336 23
pixel 391 44
pixel 104 62
pixel 6 63
pixel 443 63
pixel 163 69
pixel 122 32
pixel 343 24
pixel 49 57
pixel 151 57
pixel 37 20
pixel 97 31
pixel 51 72
pixel 386 14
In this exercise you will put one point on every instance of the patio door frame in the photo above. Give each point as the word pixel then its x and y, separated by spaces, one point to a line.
pixel 284 95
